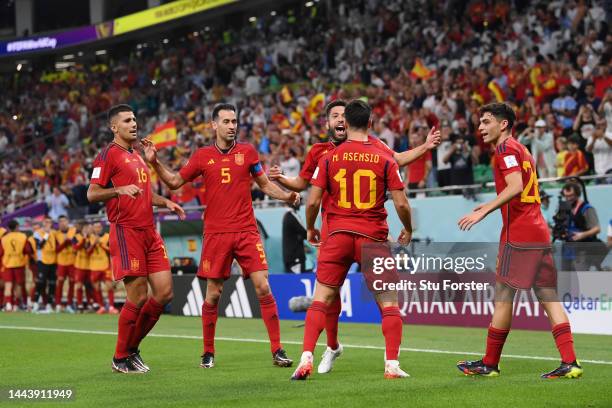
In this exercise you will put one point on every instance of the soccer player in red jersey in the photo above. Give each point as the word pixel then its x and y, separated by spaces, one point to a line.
pixel 336 128
pixel 524 259
pixel 356 175
pixel 121 179
pixel 230 231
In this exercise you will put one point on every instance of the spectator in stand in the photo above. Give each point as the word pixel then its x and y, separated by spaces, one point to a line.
pixel 444 167
pixel 561 146
pixel 418 170
pixel 605 109
pixel 575 163
pixel 600 145
pixel 460 158
pixel 58 204
pixel 564 106
pixel 290 165
pixel 542 148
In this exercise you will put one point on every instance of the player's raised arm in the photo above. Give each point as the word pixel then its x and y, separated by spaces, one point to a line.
pixel 514 187
pixel 312 212
pixel 275 191
pixel 170 178
pixel 163 202
pixel 407 157
pixel 296 183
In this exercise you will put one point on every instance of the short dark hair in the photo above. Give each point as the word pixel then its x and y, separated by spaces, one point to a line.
pixel 501 111
pixel 574 138
pixel 115 110
pixel 357 114
pixel 12 225
pixel 62 216
pixel 222 106
pixel 332 105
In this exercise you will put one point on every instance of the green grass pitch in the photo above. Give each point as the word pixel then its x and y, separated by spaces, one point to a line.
pixel 75 351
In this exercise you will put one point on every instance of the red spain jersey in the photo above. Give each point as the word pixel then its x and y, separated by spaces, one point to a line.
pixel 522 216
pixel 116 167
pixel 357 176
pixel 318 150
pixel 228 177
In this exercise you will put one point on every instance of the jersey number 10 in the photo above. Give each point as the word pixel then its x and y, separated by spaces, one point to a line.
pixel 340 177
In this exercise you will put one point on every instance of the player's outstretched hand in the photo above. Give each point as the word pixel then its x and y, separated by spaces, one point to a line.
pixel 175 208
pixel 433 138
pixel 131 190
pixel 150 151
pixel 313 236
pixel 293 199
pixel 468 221
pixel 404 237
pixel 275 172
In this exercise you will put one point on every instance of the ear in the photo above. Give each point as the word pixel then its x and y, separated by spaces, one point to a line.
pixel 214 124
pixel 503 125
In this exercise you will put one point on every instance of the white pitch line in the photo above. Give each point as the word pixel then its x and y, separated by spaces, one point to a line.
pixel 243 340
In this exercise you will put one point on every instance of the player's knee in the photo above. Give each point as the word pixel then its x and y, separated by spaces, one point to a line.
pixel 213 293
pixel 262 288
pixel 165 296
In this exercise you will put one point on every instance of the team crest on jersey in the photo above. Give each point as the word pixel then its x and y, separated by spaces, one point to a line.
pixel 134 264
pixel 239 159
pixel 206 266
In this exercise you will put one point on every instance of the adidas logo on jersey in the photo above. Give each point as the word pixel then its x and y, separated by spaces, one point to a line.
pixel 211 161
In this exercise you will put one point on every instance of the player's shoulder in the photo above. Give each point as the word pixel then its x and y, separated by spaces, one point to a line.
pixel 318 150
pixel 245 147
pixel 510 146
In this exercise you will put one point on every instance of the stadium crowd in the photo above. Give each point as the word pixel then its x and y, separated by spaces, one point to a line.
pixel 419 64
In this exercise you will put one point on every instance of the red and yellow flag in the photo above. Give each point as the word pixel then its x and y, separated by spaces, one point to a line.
pixel 164 135
pixel 497 91
pixel 39 173
pixel 420 71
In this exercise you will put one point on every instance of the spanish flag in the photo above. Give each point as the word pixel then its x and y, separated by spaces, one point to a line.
pixel 39 173
pixel 164 135
pixel 420 71
pixel 497 91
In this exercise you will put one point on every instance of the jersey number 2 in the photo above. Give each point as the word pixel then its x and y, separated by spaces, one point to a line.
pixel 533 182
pixel 343 202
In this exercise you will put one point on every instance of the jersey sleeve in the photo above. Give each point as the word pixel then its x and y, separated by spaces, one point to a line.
pixel 255 166
pixel 192 169
pixel 103 168
pixel 393 177
pixel 309 166
pixel 507 159
pixel 319 176
pixel 383 146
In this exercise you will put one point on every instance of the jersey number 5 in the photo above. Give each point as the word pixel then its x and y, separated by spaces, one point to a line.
pixel 226 175
pixel 343 202
pixel 533 182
